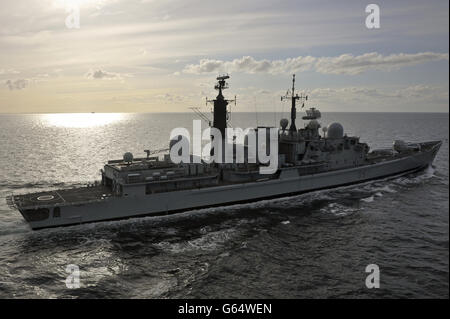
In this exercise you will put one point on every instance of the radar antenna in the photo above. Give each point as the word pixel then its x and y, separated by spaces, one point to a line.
pixel 291 95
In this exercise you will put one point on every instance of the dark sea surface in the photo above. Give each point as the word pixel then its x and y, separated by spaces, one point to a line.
pixel 315 245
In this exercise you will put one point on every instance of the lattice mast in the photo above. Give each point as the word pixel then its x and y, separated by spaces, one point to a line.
pixel 294 97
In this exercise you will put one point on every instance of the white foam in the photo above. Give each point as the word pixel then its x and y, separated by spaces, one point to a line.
pixel 337 209
pixel 387 189
pixel 368 199
pixel 427 174
pixel 208 242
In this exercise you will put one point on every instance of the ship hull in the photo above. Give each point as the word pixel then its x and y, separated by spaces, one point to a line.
pixel 114 208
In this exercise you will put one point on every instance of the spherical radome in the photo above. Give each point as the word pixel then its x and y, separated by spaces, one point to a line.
pixel 128 157
pixel 335 130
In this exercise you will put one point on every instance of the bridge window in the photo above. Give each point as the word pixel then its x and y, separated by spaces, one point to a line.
pixel 56 212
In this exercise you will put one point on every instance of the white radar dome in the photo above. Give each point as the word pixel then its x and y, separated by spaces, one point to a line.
pixel 335 130
pixel 128 157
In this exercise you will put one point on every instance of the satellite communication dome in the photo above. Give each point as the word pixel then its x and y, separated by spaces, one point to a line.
pixel 128 157
pixel 335 130
pixel 313 124
pixel 284 123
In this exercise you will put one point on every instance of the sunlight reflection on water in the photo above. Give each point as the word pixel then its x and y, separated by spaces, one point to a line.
pixel 82 120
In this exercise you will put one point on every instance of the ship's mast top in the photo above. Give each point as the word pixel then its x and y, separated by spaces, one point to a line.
pixel 221 84
pixel 220 112
pixel 294 97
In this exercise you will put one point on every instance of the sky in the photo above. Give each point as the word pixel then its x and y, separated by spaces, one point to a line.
pixel 164 55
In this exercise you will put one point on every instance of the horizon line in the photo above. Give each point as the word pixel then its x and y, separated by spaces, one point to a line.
pixel 270 112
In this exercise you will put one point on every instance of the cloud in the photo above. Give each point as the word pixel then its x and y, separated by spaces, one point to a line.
pixel 103 75
pixel 423 91
pixel 344 64
pixel 171 97
pixel 17 84
pixel 349 64
pixel 351 93
pixel 414 98
pixel 20 84
pixel 8 71
pixel 414 92
pixel 429 95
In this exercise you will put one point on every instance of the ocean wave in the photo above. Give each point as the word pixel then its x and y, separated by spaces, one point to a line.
pixel 368 199
pixel 417 179
pixel 338 210
pixel 13 228
pixel 207 242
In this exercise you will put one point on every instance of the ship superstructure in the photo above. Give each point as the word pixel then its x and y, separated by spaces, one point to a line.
pixel 309 158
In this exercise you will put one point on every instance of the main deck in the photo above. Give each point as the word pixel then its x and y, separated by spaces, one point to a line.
pixel 61 197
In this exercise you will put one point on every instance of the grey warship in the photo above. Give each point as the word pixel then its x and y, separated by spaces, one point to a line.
pixel 309 159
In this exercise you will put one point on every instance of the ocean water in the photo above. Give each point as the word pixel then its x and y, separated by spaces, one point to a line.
pixel 315 245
